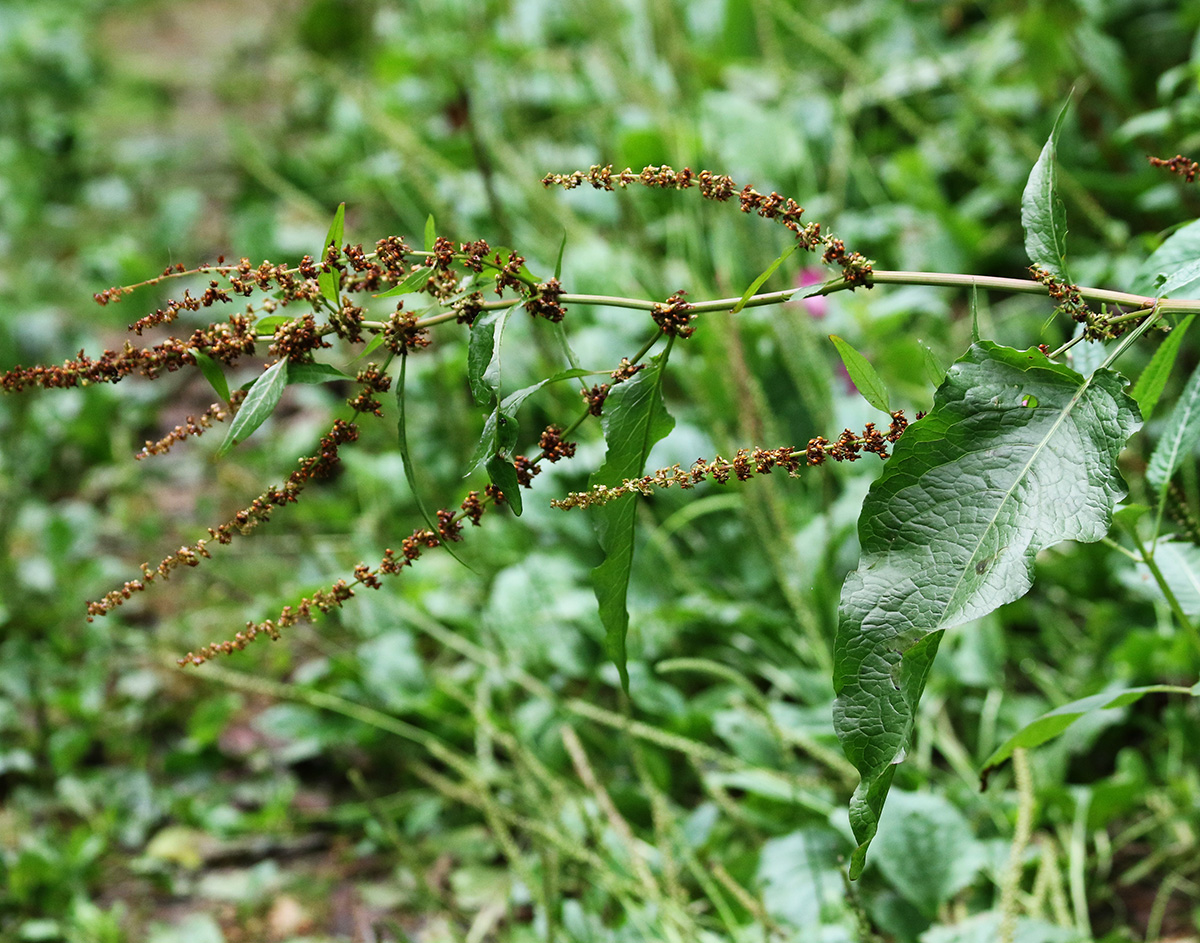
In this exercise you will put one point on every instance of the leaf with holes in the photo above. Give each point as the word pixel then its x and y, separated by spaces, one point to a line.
pixel 950 530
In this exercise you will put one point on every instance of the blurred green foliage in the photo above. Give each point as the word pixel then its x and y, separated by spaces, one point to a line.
pixel 138 801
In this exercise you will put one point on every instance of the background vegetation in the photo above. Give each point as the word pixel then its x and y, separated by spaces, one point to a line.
pixel 450 758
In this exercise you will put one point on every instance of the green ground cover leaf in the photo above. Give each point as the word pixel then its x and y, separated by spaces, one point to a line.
pixel 260 402
pixel 1055 722
pixel 1179 438
pixel 863 375
pixel 1042 214
pixel 635 417
pixel 950 530
pixel 1153 380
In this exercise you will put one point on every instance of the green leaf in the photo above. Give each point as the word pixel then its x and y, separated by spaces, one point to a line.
pixel 430 233
pixel 504 476
pixel 372 345
pixel 950 530
pixel 1055 722
pixel 1150 384
pixel 212 373
pixel 926 849
pixel 483 354
pixel 863 375
pixel 1042 215
pixel 635 417
pixel 416 280
pixel 974 314
pixel 260 402
pixel 1178 250
pixel 501 428
pixel 268 324
pixel 758 282
pixel 562 247
pixel 315 373
pixel 935 370
pixel 1180 436
pixel 328 281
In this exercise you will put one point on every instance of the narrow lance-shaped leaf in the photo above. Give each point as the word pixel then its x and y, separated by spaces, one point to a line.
pixel 328 281
pixel 1180 436
pixel 758 282
pixel 260 402
pixel 1153 380
pixel 863 374
pixel 430 233
pixel 635 417
pixel 483 354
pixel 315 373
pixel 950 530
pixel 1055 722
pixel 1042 215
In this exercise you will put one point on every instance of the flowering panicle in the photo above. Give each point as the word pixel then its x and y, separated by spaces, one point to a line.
pixel 217 412
pixel 856 269
pixel 746 464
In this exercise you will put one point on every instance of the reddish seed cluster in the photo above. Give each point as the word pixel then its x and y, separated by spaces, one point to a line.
pixel 225 343
pixel 217 412
pixel 1067 299
pixel 1184 166
pixel 475 253
pixel 296 339
pixel 509 274
pixel 527 470
pixel 848 445
pixel 672 316
pixel 856 269
pixel 372 382
pixel 595 398
pixel 402 333
pixel 554 449
pixel 468 309
pixel 625 370
pixel 543 301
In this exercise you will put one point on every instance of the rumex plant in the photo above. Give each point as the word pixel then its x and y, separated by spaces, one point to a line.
pixel 1018 452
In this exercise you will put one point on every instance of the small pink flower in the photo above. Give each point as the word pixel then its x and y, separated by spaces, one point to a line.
pixel 818 305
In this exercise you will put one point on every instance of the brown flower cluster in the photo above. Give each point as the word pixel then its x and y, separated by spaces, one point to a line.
pixel 217 412
pixel 373 381
pixel 223 342
pixel 402 333
pixel 543 301
pixel 296 339
pixel 856 268
pixel 746 464
pixel 554 448
pixel 1184 166
pixel 672 316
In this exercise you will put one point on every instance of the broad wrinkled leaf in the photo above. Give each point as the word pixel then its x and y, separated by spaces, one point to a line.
pixel 950 530
pixel 635 417
pixel 1055 722
pixel 865 379
pixel 1179 438
pixel 328 281
pixel 1042 215
pixel 260 402
pixel 1178 250
pixel 1150 384
pixel 212 373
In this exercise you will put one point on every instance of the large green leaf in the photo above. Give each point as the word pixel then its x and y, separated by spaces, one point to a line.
pixel 635 417
pixel 1042 215
pixel 950 530
pixel 1179 438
